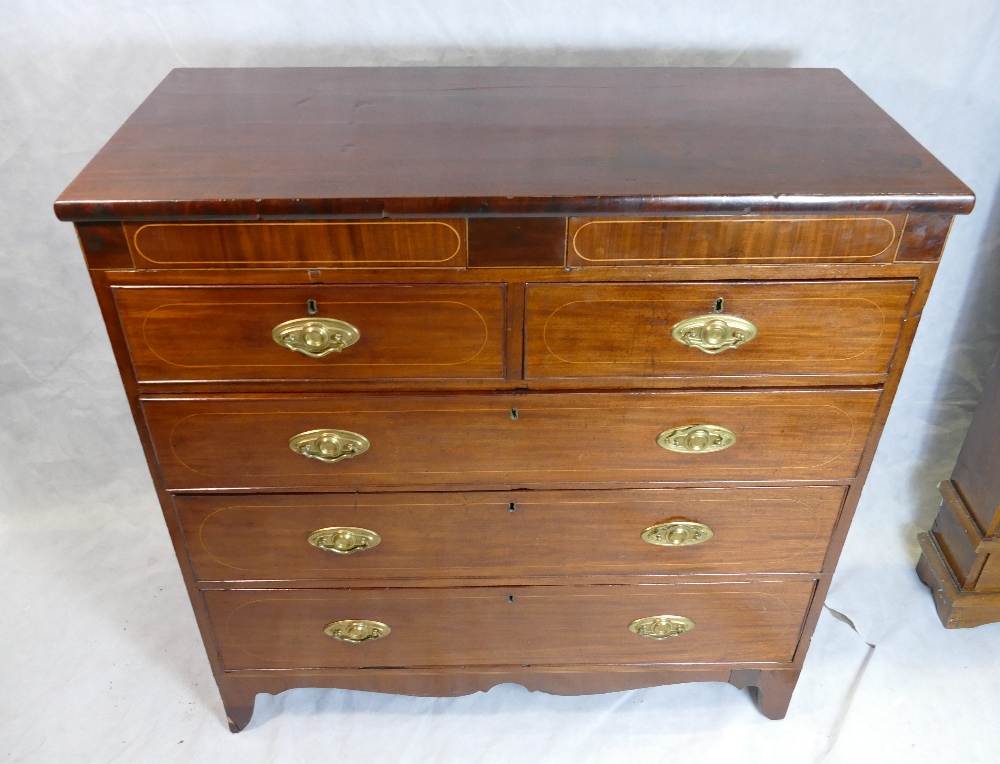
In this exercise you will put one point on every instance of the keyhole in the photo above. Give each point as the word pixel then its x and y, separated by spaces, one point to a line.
pixel 512 507
pixel 311 307
pixel 510 599
pixel 513 414
pixel 720 305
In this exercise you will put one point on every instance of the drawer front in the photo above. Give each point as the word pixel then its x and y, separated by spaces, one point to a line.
pixel 397 332
pixel 728 241
pixel 566 625
pixel 638 330
pixel 530 440
pixel 296 244
pixel 499 535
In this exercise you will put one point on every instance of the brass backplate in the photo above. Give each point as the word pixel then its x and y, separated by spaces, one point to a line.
pixel 661 626
pixel 357 632
pixel 696 439
pixel 329 445
pixel 316 337
pixel 344 539
pixel 714 333
pixel 677 533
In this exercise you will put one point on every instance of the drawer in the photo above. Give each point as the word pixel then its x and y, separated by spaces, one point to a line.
pixel 504 535
pixel 396 332
pixel 300 243
pixel 505 441
pixel 553 625
pixel 687 330
pixel 731 241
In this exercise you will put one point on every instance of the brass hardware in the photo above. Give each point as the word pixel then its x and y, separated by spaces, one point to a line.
pixel 312 308
pixel 696 439
pixel 315 337
pixel 661 626
pixel 513 414
pixel 329 445
pixel 344 540
pixel 356 632
pixel 714 333
pixel 677 533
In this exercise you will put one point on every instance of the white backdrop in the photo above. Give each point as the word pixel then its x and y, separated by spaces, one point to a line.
pixel 99 655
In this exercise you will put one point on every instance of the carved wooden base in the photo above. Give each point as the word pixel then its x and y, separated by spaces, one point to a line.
pixel 956 608
pixel 771 689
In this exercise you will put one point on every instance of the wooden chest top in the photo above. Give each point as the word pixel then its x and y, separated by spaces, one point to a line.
pixel 485 141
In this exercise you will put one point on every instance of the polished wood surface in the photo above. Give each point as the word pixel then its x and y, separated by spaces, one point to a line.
pixel 488 535
pixel 609 241
pixel 517 242
pixel 476 441
pixel 437 332
pixel 625 330
pixel 506 140
pixel 734 167
pixel 298 244
pixel 734 623
pixel 960 558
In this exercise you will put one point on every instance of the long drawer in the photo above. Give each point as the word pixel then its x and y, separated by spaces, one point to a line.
pixel 724 241
pixel 506 441
pixel 299 244
pixel 495 535
pixel 732 623
pixel 314 333
pixel 785 329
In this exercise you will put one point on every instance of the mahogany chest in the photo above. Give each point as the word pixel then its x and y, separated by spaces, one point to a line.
pixel 563 377
pixel 960 556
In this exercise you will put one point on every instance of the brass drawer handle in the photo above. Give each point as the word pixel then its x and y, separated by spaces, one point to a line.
pixel 696 439
pixel 357 632
pixel 714 333
pixel 329 445
pixel 661 626
pixel 315 337
pixel 344 540
pixel 677 533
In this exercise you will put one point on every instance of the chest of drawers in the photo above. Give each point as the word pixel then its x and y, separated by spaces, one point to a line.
pixel 563 377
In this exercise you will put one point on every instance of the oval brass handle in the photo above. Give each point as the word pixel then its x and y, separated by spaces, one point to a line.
pixel 329 445
pixel 713 333
pixel 315 337
pixel 677 533
pixel 343 539
pixel 356 632
pixel 661 626
pixel 696 439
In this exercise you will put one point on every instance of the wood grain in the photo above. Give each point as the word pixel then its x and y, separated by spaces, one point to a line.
pixel 976 476
pixel 841 328
pixel 496 535
pixel 700 241
pixel 468 440
pixel 437 332
pixel 734 623
pixel 480 140
pixel 298 244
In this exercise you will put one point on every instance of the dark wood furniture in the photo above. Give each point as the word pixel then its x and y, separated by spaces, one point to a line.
pixel 960 557
pixel 453 377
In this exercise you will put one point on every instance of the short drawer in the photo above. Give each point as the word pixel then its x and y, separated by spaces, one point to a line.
pixel 731 241
pixel 783 329
pixel 508 441
pixel 557 625
pixel 502 535
pixel 329 332
pixel 300 243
